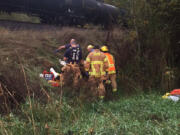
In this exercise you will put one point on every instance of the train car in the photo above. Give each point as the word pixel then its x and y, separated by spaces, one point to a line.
pixel 65 12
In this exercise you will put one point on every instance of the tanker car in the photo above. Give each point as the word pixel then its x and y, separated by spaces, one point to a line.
pixel 65 12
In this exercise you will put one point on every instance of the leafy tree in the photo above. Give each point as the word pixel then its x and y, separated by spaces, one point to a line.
pixel 157 26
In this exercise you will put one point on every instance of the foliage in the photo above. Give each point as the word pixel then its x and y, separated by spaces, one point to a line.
pixel 146 54
pixel 156 24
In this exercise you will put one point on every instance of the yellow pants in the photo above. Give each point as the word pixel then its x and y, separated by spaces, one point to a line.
pixel 112 77
pixel 97 87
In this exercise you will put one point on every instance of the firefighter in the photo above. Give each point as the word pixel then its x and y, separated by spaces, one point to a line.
pixel 73 58
pixel 111 70
pixel 96 64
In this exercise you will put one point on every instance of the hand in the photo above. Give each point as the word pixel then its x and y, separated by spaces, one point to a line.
pixel 56 51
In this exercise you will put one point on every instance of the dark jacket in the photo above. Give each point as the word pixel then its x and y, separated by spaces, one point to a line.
pixel 73 54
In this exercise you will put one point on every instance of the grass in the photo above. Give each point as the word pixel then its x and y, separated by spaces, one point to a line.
pixel 135 115
pixel 70 115
pixel 19 17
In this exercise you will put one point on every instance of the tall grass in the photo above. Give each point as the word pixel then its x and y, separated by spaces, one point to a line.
pixel 36 47
pixel 149 64
pixel 139 114
pixel 46 110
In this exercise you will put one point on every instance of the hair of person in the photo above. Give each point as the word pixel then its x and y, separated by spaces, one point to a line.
pixel 73 39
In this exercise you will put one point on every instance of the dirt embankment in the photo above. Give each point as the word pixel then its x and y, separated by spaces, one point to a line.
pixel 26 53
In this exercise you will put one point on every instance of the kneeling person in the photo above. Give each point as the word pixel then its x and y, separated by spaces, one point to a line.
pixel 73 55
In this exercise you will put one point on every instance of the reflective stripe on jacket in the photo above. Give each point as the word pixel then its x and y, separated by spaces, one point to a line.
pixel 96 63
pixel 111 63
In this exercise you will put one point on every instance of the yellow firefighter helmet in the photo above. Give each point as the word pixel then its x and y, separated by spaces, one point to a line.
pixel 104 48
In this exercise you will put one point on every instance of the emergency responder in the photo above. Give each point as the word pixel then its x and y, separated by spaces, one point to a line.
pixel 96 64
pixel 73 54
pixel 66 46
pixel 73 58
pixel 111 67
pixel 90 48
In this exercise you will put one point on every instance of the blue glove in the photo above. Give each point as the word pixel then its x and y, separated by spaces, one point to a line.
pixel 56 51
pixel 87 74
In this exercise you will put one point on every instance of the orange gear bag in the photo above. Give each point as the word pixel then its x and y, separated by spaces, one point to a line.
pixel 175 92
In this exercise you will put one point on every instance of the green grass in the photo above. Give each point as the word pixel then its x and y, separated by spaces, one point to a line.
pixel 137 115
pixel 140 114
pixel 19 17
